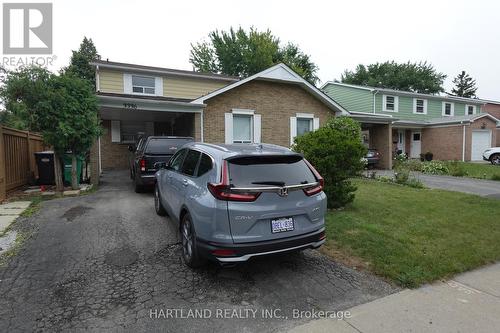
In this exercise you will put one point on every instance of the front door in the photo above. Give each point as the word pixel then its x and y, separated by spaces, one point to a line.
pixel 401 141
pixel 416 146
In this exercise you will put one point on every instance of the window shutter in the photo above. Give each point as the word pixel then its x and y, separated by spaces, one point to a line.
pixel 256 128
pixel 228 127
pixel 115 131
pixel 158 86
pixel 293 129
pixel 127 83
pixel 315 124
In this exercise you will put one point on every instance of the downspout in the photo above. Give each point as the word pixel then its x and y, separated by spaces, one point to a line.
pixel 463 141
pixel 201 124
pixel 97 81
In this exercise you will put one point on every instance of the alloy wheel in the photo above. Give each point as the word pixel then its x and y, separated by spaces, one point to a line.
pixel 496 159
pixel 187 241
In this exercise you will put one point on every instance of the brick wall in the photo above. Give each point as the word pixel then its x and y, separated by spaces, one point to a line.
pixel 494 110
pixel 444 142
pixel 113 155
pixel 381 139
pixel 276 102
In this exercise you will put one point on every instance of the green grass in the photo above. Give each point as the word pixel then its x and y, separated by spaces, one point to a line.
pixel 413 236
pixel 480 170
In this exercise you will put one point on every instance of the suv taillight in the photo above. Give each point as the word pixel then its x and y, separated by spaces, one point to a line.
pixel 222 190
pixel 142 164
pixel 314 190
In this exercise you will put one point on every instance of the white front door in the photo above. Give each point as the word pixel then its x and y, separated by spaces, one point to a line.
pixel 416 146
pixel 401 141
pixel 481 140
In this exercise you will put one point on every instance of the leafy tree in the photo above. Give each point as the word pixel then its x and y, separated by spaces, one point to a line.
pixel 242 53
pixel 416 77
pixel 465 86
pixel 80 61
pixel 63 108
pixel 336 151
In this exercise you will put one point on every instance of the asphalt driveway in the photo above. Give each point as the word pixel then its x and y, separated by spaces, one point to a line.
pixel 482 187
pixel 106 261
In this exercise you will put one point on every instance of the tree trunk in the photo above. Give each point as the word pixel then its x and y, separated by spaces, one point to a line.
pixel 58 173
pixel 74 178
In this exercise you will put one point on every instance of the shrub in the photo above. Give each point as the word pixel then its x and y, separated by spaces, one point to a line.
pixel 414 165
pixel 336 152
pixel 434 168
pixel 456 169
pixel 401 176
pixel 495 176
pixel 414 182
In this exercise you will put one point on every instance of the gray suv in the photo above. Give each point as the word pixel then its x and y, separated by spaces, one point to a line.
pixel 234 202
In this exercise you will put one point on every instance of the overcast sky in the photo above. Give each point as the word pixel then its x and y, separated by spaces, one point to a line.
pixel 338 35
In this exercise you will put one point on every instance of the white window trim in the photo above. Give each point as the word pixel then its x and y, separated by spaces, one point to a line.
pixel 415 106
pixel 443 109
pixel 243 111
pixel 128 87
pixel 384 103
pixel 467 109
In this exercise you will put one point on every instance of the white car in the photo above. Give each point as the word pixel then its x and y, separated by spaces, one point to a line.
pixel 492 155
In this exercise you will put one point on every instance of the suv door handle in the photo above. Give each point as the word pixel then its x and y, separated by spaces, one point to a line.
pixel 185 182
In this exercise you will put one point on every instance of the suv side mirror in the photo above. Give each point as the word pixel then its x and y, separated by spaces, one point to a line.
pixel 131 148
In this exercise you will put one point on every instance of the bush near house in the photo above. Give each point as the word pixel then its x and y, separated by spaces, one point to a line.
pixel 336 151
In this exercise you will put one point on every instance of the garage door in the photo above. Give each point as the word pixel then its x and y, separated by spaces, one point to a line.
pixel 481 140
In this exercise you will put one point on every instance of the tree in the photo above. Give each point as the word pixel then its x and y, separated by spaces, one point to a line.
pixel 241 53
pixel 63 108
pixel 416 77
pixel 336 151
pixel 80 61
pixel 465 86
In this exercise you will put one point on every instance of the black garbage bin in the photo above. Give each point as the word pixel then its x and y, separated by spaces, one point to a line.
pixel 45 165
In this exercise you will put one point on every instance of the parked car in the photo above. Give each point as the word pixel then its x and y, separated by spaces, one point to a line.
pixel 149 152
pixel 234 202
pixel 492 155
pixel 372 157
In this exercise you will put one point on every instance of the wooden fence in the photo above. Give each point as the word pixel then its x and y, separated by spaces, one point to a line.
pixel 17 158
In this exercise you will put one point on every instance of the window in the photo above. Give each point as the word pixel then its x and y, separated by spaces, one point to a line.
pixel 470 109
pixel 448 109
pixel 176 161
pixel 419 105
pixel 190 162
pixel 205 165
pixel 390 103
pixel 416 136
pixel 304 125
pixel 143 85
pixel 242 128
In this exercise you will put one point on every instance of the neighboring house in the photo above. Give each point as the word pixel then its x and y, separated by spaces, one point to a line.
pixel 452 128
pixel 493 108
pixel 272 106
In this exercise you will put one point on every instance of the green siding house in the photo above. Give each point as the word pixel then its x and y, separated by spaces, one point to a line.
pixel 394 121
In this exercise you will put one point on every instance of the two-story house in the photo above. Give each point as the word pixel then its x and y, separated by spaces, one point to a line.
pixel 452 128
pixel 272 106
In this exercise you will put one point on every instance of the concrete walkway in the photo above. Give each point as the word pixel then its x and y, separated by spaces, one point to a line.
pixel 482 187
pixel 470 302
pixel 10 211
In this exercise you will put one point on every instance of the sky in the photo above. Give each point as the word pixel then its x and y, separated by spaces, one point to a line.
pixel 451 35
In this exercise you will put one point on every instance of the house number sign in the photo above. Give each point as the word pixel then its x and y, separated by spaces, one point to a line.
pixel 130 106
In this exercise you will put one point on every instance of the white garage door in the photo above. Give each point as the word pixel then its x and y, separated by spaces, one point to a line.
pixel 481 140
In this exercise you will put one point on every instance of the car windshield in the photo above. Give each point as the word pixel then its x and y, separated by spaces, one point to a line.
pixel 269 171
pixel 164 146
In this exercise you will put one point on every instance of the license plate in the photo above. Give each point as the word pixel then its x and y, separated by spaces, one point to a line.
pixel 282 224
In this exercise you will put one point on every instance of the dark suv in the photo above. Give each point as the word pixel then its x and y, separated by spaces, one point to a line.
pixel 149 152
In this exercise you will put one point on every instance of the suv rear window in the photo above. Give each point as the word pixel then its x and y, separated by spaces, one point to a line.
pixel 269 170
pixel 164 146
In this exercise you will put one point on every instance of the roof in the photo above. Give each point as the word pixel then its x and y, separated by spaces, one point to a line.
pixel 241 149
pixel 161 70
pixel 407 93
pixel 280 73
pixel 448 120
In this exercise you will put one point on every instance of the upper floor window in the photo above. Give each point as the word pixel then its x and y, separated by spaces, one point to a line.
pixel 420 105
pixel 390 103
pixel 448 109
pixel 470 109
pixel 143 85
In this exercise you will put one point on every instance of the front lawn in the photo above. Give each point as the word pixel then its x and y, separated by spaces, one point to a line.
pixel 480 170
pixel 414 236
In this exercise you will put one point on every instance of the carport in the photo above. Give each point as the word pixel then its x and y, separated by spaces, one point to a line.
pixel 125 118
pixel 378 131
